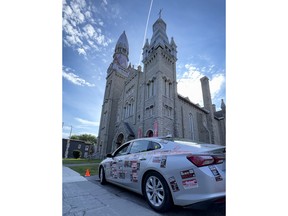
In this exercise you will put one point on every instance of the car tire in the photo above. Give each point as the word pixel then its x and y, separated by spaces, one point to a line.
pixel 156 192
pixel 102 176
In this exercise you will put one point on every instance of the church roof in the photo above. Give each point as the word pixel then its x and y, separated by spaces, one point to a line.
pixel 159 33
pixel 186 99
pixel 123 41
pixel 159 22
pixel 219 114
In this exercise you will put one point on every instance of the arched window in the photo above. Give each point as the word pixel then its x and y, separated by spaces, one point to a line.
pixel 148 90
pixel 129 110
pixel 152 88
pixel 166 89
pixel 124 112
pixel 169 89
pixel 132 106
pixel 120 140
pixel 126 109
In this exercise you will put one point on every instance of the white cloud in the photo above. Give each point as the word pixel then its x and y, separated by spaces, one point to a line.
pixel 80 29
pixel 189 84
pixel 78 17
pixel 81 51
pixel 87 122
pixel 89 30
pixel 216 83
pixel 101 23
pixel 67 10
pixel 76 79
pixel 88 15
pixel 82 3
pixel 101 40
pixel 73 40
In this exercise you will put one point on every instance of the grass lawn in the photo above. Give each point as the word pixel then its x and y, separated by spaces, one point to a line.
pixel 82 169
pixel 79 161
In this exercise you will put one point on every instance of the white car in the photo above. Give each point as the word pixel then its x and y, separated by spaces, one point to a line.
pixel 167 171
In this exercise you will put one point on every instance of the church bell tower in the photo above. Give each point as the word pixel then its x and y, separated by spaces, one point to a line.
pixel 117 74
pixel 159 59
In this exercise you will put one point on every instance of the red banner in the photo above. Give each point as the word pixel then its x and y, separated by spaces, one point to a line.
pixel 139 132
pixel 155 128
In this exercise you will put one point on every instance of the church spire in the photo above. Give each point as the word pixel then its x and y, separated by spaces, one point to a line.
pixel 159 36
pixel 123 43
pixel 160 40
pixel 121 51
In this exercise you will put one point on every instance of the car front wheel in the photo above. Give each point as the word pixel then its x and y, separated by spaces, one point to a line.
pixel 102 176
pixel 156 192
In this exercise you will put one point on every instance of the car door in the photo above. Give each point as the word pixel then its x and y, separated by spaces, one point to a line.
pixel 136 162
pixel 117 173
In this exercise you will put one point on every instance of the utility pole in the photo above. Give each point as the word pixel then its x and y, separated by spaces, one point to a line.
pixel 68 141
pixel 70 132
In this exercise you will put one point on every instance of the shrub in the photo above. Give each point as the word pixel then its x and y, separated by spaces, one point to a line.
pixel 77 154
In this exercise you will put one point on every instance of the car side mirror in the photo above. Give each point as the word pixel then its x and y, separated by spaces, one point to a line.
pixel 109 155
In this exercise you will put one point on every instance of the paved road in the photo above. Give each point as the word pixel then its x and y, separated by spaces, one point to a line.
pixel 86 196
pixel 124 194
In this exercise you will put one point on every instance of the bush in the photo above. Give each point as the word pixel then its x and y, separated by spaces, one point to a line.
pixel 77 154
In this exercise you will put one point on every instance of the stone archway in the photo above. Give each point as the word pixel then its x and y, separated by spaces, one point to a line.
pixel 120 140
pixel 149 133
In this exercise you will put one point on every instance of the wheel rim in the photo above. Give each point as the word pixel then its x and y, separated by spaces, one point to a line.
pixel 155 191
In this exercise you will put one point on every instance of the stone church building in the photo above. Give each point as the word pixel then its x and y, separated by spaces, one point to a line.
pixel 145 103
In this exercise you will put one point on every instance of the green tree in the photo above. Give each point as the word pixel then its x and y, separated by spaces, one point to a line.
pixel 85 137
pixel 89 138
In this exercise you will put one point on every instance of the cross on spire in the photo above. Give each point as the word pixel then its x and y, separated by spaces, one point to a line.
pixel 160 12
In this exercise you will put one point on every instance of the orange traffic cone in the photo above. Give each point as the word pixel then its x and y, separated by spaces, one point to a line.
pixel 87 172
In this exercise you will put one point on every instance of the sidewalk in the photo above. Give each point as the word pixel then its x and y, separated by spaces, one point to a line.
pixel 82 197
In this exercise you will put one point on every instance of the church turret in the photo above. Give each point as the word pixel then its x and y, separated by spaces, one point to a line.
pixel 159 36
pixel 121 51
pixel 159 60
pixel 145 49
pixel 173 48
pixel 146 43
pixel 117 74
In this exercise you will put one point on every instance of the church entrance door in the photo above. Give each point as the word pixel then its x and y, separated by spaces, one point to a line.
pixel 120 140
pixel 149 133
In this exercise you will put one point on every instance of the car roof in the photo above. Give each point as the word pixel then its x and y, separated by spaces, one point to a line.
pixel 167 139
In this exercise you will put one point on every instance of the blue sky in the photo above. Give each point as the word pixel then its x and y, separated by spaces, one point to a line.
pixel 90 30
pixel 32 86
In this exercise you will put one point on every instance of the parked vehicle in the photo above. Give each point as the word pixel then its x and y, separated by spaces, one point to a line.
pixel 167 171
